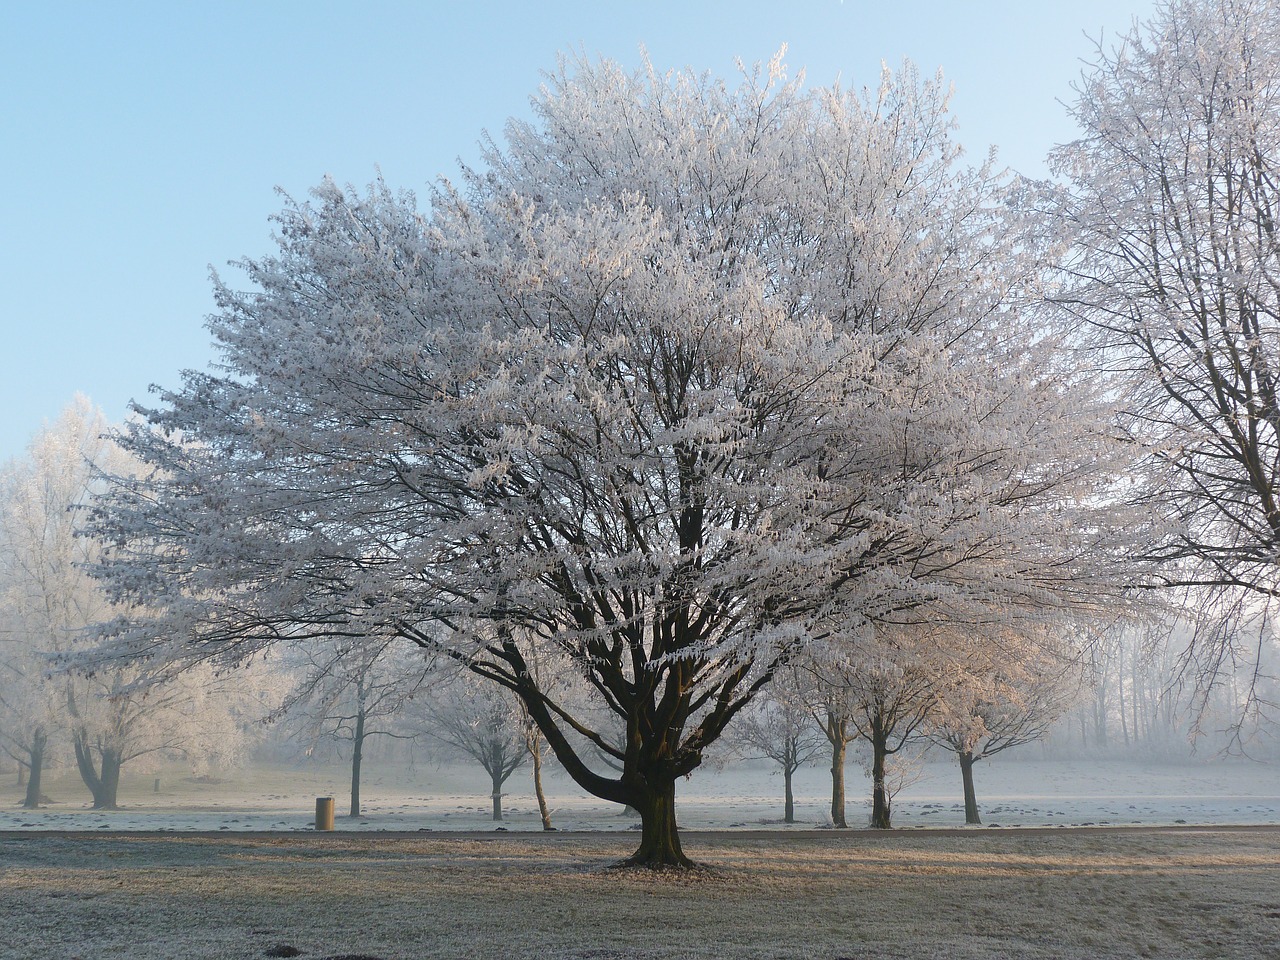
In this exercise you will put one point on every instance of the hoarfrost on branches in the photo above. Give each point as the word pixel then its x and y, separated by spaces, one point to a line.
pixel 685 378
pixel 1174 263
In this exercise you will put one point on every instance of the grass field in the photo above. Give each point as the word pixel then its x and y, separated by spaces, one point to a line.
pixel 980 894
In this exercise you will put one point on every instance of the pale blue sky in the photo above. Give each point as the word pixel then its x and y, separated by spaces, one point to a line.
pixel 142 142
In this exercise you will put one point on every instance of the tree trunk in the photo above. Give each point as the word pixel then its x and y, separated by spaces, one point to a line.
pixel 36 765
pixel 535 750
pixel 1124 722
pixel 880 813
pixel 357 756
pixel 1139 704
pixel 495 776
pixel 104 785
pixel 839 744
pixel 659 833
pixel 1100 736
pixel 970 795
pixel 789 802
pixel 111 764
pixel 84 763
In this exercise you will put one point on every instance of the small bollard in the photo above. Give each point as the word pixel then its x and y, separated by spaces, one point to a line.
pixel 324 813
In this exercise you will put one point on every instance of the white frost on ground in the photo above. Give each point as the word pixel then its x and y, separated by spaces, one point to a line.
pixel 743 796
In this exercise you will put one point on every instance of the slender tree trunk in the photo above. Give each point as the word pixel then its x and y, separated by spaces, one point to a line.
pixel 790 761
pixel 1101 738
pixel 357 757
pixel 22 774
pixel 836 729
pixel 1124 722
pixel 535 751
pixel 970 795
pixel 789 801
pixel 659 833
pixel 36 764
pixel 495 777
pixel 1140 699
pixel 880 813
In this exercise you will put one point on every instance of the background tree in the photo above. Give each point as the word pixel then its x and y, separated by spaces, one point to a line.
pixel 562 678
pixel 891 699
pixel 114 714
pixel 1174 263
pixel 780 727
pixel 27 718
pixel 46 600
pixel 986 713
pixel 831 713
pixel 484 723
pixel 683 376
pixel 351 693
pixel 126 714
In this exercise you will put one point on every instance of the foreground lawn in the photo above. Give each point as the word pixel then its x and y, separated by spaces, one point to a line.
pixel 1062 894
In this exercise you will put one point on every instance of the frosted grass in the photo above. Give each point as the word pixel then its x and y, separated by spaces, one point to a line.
pixel 990 894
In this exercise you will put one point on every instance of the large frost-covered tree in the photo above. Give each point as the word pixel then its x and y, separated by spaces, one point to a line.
pixel 685 376
pixel 1176 264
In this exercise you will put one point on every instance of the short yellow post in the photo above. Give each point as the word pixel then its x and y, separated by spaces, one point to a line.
pixel 324 813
